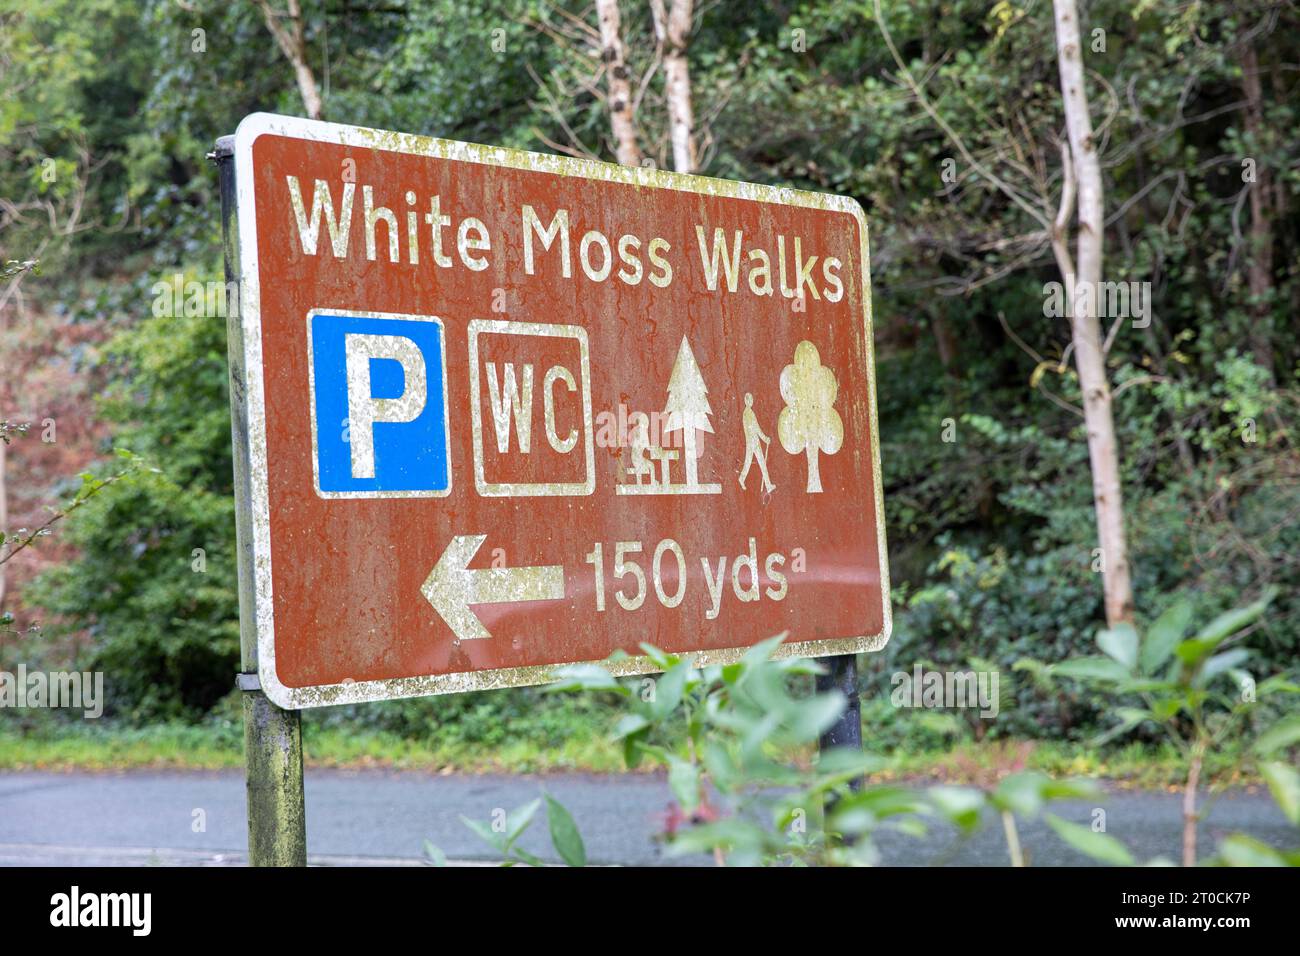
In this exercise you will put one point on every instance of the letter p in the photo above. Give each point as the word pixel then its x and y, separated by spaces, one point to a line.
pixel 364 410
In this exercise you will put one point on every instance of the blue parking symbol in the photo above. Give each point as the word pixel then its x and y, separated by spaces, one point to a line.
pixel 379 405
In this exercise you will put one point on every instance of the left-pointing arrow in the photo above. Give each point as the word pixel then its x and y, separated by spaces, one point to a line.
pixel 452 586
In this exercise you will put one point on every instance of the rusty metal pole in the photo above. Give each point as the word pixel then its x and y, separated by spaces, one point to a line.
pixel 277 822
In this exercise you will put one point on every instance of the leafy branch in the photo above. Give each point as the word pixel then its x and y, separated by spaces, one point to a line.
pixel 1183 684
pixel 730 736
pixel 91 485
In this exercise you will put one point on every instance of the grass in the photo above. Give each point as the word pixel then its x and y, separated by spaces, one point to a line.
pixel 119 748
pixel 183 747
pixel 1134 766
pixel 105 747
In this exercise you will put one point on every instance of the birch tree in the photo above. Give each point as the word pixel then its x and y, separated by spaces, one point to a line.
pixel 291 39
pixel 1082 189
pixel 673 31
pixel 1084 185
pixel 622 116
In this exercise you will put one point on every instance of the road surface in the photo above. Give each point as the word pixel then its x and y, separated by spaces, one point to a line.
pixel 383 817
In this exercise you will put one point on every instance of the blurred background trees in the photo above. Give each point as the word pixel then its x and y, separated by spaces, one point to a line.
pixel 953 146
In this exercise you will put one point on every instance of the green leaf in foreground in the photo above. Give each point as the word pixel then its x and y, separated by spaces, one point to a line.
pixel 1120 644
pixel 1284 733
pixel 1284 781
pixel 960 805
pixel 517 820
pixel 434 854
pixel 1091 669
pixel 575 677
pixel 1230 622
pixel 1099 846
pixel 564 834
pixel 1163 636
pixel 1129 717
pixel 684 780
pixel 1241 850
pixel 485 833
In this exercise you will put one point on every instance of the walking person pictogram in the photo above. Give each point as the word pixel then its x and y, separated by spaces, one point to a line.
pixel 756 445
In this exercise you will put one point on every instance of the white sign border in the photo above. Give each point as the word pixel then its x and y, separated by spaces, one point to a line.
pixel 254 399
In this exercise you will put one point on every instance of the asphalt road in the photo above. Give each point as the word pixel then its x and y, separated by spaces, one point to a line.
pixel 384 817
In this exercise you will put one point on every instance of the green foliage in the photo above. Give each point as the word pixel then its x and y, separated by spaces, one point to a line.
pixel 1197 691
pixel 502 835
pixel 1099 846
pixel 127 464
pixel 528 729
pixel 1241 850
pixel 991 533
pixel 727 735
pixel 164 618
pixel 997 608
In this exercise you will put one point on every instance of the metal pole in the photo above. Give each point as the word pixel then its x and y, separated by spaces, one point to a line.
pixel 277 821
pixel 842 675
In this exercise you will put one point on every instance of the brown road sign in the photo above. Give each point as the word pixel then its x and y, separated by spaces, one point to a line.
pixel 507 411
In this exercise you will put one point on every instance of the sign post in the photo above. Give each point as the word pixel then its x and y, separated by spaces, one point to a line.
pixel 842 675
pixel 497 411
pixel 277 832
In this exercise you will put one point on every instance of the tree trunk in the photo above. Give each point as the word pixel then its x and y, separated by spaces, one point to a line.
pixel 619 90
pixel 1089 356
pixel 293 44
pixel 307 88
pixel 1260 244
pixel 814 469
pixel 689 450
pixel 674 31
